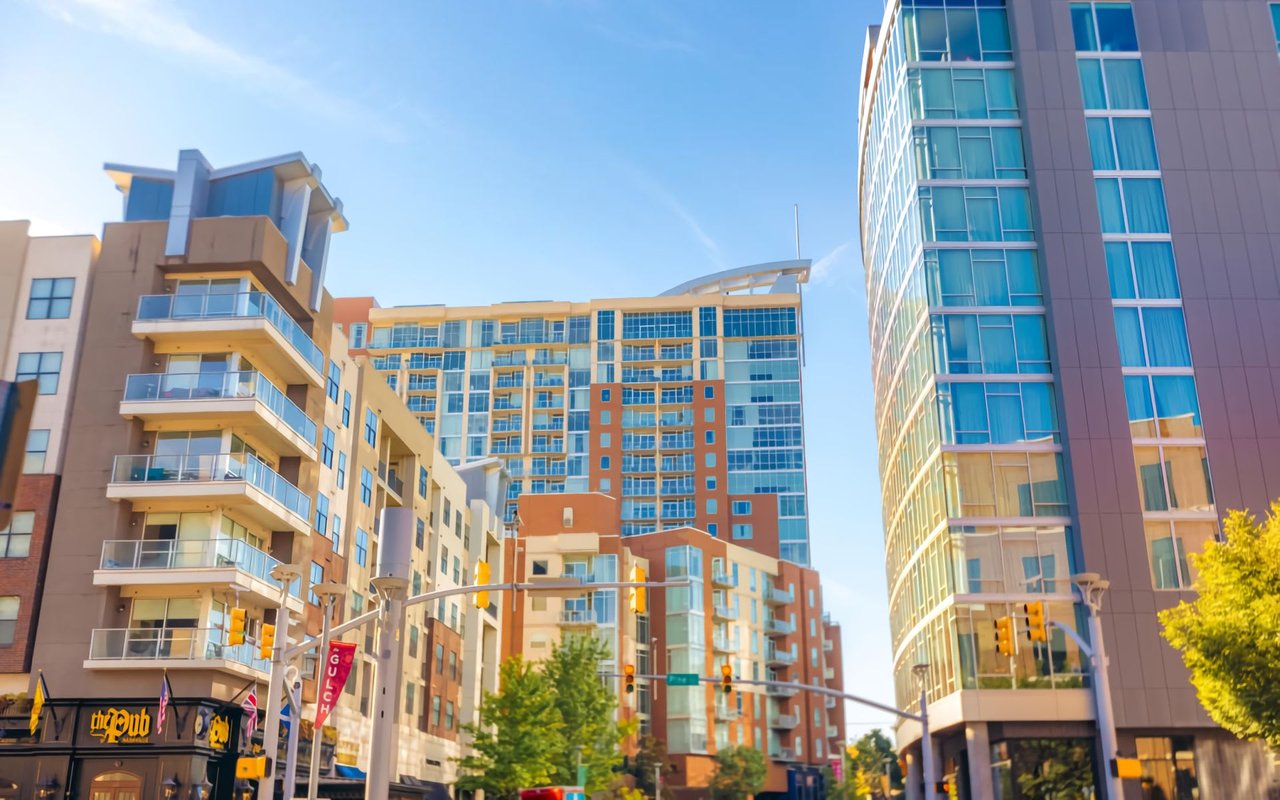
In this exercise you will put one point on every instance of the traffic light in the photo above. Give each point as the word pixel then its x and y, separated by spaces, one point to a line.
pixel 639 602
pixel 629 678
pixel 943 788
pixel 266 641
pixel 481 599
pixel 235 633
pixel 1035 622
pixel 1004 636
pixel 726 678
pixel 250 767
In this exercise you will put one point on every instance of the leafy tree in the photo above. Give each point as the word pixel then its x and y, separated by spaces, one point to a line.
pixel 586 704
pixel 869 763
pixel 519 740
pixel 651 755
pixel 1229 636
pixel 740 772
pixel 1054 769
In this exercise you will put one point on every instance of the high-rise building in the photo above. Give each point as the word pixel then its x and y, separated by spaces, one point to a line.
pixel 220 430
pixel 686 405
pixel 760 616
pixel 1071 283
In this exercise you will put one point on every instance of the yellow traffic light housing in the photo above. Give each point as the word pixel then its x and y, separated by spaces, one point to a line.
pixel 629 678
pixel 235 629
pixel 726 678
pixel 266 641
pixel 1004 636
pixel 1036 630
pixel 639 601
pixel 251 767
pixel 481 599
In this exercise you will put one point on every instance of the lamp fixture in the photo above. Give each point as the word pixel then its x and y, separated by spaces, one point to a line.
pixel 48 787
pixel 170 787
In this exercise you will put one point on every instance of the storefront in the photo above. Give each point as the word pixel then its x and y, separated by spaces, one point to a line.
pixel 114 749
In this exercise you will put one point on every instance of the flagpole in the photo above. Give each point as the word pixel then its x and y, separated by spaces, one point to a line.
pixel 330 592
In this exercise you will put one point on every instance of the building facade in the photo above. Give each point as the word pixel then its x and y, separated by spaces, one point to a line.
pixel 1069 273
pixel 759 615
pixel 221 431
pixel 687 405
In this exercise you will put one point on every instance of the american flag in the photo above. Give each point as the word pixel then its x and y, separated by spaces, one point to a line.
pixel 250 706
pixel 166 696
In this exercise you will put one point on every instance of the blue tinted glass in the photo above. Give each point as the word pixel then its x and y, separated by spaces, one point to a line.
pixel 931 33
pixel 1119 271
pixel 948 208
pixel 935 86
pixel 962 26
pixel 1176 398
pixel 989 284
pixel 1115 27
pixel 970 95
pixel 1137 395
pixel 1038 408
pixel 1095 96
pixel 1135 143
pixel 148 200
pixel 1100 148
pixel 1166 337
pixel 994 27
pixel 984 219
pixel 1030 333
pixel 955 277
pixel 252 194
pixel 1007 144
pixel 944 150
pixel 962 343
pixel 999 352
pixel 1015 214
pixel 970 410
pixel 1144 205
pixel 1275 22
pixel 1000 92
pixel 1110 211
pixel 1024 277
pixel 1006 419
pixel 1129 338
pixel 977 158
pixel 1125 87
pixel 1082 27
pixel 1154 267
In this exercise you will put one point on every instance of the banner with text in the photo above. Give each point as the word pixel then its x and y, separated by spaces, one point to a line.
pixel 337 666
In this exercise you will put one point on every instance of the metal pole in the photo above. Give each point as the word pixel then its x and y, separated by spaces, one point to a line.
pixel 331 592
pixel 285 573
pixel 1091 587
pixel 387 690
pixel 657 781
pixel 926 743
pixel 295 717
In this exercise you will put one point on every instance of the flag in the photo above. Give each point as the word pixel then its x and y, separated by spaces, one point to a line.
pixel 250 706
pixel 37 704
pixel 166 697
pixel 337 666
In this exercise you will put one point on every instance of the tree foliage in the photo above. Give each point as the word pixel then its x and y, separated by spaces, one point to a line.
pixel 519 741
pixel 1229 636
pixel 587 705
pixel 651 755
pixel 1054 769
pixel 868 765
pixel 740 771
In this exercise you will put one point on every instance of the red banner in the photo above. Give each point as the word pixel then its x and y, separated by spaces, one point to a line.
pixel 337 666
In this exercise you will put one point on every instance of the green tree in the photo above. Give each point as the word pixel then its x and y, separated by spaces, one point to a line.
pixel 519 739
pixel 740 772
pixel 586 704
pixel 651 755
pixel 872 751
pixel 1054 769
pixel 1229 636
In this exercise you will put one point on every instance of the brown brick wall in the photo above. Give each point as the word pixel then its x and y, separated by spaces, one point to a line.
pixel 24 577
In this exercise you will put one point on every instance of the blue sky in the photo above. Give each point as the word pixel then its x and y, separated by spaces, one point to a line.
pixel 489 151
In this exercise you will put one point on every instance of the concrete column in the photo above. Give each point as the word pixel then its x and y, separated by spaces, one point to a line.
pixel 190 199
pixel 978 746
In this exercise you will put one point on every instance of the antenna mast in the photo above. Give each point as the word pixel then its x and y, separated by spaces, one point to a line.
pixel 796 208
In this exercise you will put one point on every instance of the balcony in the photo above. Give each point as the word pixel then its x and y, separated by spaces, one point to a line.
pixel 778 627
pixel 173 648
pixel 831 702
pixel 828 646
pixel 507 403
pixel 782 691
pixel 727 712
pixel 507 425
pixel 779 658
pixel 776 597
pixel 251 322
pixel 577 618
pixel 833 732
pixel 722 611
pixel 721 644
pixel 223 563
pixel 784 721
pixel 553 402
pixel 244 400
pixel 391 483
pixel 783 754
pixel 185 483
pixel 724 580
pixel 541 379
pixel 829 673
pixel 509 381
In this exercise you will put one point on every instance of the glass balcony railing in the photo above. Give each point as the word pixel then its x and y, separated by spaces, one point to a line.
pixel 179 644
pixel 154 307
pixel 183 554
pixel 787 721
pixel 220 386
pixel 779 627
pixel 779 597
pixel 775 656
pixel 212 467
pixel 577 616
pixel 724 579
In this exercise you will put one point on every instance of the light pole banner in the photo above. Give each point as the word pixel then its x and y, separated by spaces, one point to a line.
pixel 337 666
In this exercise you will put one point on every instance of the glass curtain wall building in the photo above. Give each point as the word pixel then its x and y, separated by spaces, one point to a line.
pixel 1029 199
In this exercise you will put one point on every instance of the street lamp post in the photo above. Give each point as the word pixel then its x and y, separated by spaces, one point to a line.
pixel 286 574
pixel 921 671
pixel 1091 587
pixel 331 592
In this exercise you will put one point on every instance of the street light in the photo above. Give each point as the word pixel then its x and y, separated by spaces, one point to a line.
pixel 1092 586
pixel 921 671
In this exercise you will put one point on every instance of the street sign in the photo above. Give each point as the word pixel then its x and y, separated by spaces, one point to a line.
pixel 682 679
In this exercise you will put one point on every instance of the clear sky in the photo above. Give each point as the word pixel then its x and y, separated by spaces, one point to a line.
pixel 515 150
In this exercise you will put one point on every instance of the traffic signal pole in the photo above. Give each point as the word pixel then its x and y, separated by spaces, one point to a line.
pixel 286 574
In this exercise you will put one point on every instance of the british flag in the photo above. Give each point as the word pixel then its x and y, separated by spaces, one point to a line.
pixel 250 706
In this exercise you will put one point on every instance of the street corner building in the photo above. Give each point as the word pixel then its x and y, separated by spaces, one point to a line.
pixel 1071 287
pixel 205 449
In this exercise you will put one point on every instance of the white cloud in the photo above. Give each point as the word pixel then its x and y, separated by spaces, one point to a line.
pixel 655 188
pixel 822 270
pixel 162 28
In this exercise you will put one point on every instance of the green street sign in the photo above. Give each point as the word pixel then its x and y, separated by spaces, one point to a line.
pixel 682 679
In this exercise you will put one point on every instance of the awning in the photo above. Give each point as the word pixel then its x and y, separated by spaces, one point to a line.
pixel 345 771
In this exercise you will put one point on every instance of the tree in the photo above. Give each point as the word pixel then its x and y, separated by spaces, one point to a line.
pixel 519 738
pixel 1054 769
pixel 1229 636
pixel 869 762
pixel 587 705
pixel 651 755
pixel 740 771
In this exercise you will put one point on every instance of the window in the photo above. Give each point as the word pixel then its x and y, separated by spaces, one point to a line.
pixel 606 440
pixel 322 513
pixel 1122 143
pixel 435 710
pixel 37 449
pixel 453 664
pixel 1131 205
pixel 711 437
pixel 346 409
pixel 712 528
pixel 605 395
pixel 51 298
pixel 342 470
pixel 1169 543
pixel 358 332
pixel 657 325
pixel 317 578
pixel 742 530
pixel 958 94
pixel 1173 478
pixel 362 547
pixel 43 368
pixel 1005 484
pixel 1142 270
pixel 991 344
pixel 995 413
pixel 422 481
pixel 1106 27
pixel 709 414
pixel 976 214
pixel 366 486
pixel 982 277
pixel 334 379
pixel 711 483
pixel 1168 767
pixel 956 34
pixel 444 562
pixel 1152 337
pixel 448 715
pixel 741 508
pixel 539 567
pixel 1275 23
pixel 969 152
pixel 15 538
pixel 709 459
pixel 1163 406
pixel 337 533
pixel 370 427
pixel 1112 83
pixel 326 447
pixel 709 392
pixel 420 534
pixel 8 618
pixel 712 506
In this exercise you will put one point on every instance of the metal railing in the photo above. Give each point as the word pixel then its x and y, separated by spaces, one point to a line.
pixel 828 646
pixel 178 644
pixel 779 597
pixel 577 616
pixel 153 307
pixel 783 754
pixel 782 691
pixel 160 387
pixel 724 579
pixel 723 611
pixel 787 721
pixel 157 554
pixel 212 467
pixel 780 627
pixel 777 656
